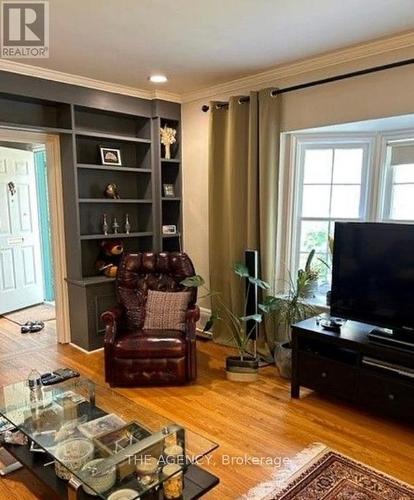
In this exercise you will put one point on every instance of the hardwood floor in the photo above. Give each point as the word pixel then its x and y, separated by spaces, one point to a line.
pixel 256 419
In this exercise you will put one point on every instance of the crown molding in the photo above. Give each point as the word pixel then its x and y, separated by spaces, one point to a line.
pixel 342 56
pixel 83 81
pixel 269 77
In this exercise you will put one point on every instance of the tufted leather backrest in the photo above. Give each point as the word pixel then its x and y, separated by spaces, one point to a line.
pixel 140 272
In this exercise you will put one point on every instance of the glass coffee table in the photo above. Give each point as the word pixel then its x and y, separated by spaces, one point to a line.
pixel 86 441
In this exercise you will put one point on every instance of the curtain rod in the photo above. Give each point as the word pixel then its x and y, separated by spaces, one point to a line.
pixel 315 83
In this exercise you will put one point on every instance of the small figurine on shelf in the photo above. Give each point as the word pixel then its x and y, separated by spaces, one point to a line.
pixel 105 225
pixel 109 257
pixel 127 224
pixel 115 226
pixel 167 139
pixel 112 191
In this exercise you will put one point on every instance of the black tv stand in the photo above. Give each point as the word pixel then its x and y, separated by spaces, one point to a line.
pixel 351 366
pixel 396 338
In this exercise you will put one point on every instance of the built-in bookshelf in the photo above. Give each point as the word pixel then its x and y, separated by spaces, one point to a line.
pixel 170 173
pixel 130 135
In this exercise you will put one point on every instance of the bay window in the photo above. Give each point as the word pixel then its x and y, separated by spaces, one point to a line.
pixel 340 178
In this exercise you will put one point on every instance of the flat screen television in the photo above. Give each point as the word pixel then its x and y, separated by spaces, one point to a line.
pixel 373 274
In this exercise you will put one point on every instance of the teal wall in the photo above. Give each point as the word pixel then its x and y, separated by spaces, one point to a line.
pixel 44 224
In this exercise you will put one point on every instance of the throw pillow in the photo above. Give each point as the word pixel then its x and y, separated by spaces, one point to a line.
pixel 166 310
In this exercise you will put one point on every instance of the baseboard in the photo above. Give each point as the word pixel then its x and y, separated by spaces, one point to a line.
pixel 84 350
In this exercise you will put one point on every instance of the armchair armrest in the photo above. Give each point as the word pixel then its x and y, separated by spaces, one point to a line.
pixel 191 318
pixel 111 320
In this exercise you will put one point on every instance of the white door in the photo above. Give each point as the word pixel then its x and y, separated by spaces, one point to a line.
pixel 20 260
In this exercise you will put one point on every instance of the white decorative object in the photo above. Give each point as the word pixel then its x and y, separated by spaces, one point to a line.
pixel 100 483
pixel 167 139
pixel 125 494
pixel 72 455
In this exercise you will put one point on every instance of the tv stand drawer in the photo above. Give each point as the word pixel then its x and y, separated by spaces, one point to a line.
pixel 326 375
pixel 383 392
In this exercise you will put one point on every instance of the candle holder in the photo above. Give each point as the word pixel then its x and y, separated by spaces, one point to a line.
pixel 115 226
pixel 105 226
pixel 127 224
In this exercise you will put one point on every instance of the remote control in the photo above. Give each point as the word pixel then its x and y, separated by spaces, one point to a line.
pixel 58 376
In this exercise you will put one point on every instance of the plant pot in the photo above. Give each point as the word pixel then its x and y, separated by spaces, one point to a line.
pixel 283 359
pixel 242 370
pixel 173 151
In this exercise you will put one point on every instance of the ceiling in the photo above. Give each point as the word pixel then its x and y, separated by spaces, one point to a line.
pixel 199 43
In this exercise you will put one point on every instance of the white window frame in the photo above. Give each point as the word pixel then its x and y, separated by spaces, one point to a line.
pixel 386 177
pixel 290 202
pixel 305 145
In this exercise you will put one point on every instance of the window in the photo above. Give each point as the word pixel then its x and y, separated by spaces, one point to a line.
pixel 339 177
pixel 399 186
pixel 332 185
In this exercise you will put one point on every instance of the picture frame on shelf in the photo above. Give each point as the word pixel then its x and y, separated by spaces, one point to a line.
pixel 110 156
pixel 169 229
pixel 168 190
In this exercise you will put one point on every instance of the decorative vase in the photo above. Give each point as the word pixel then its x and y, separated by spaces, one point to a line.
pixel 283 359
pixel 105 225
pixel 127 224
pixel 328 298
pixel 115 226
pixel 242 370
pixel 172 151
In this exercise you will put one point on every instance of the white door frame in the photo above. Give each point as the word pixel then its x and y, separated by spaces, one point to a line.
pixel 54 171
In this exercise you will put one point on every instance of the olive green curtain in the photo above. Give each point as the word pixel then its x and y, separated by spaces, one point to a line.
pixel 243 194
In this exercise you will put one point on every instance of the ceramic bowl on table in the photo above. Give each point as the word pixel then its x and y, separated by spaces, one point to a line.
pixel 72 455
pixel 125 494
pixel 100 483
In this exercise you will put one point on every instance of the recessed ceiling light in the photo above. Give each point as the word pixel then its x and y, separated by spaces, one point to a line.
pixel 158 78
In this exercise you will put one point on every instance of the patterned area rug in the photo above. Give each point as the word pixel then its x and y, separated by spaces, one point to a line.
pixel 42 312
pixel 330 476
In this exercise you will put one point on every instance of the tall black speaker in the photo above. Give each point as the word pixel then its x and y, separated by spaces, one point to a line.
pixel 251 259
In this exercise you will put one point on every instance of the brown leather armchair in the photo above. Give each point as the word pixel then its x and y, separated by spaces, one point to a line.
pixel 134 356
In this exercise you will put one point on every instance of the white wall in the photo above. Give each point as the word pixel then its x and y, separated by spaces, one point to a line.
pixel 377 95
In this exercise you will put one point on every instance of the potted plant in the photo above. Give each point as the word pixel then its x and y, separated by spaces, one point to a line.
pixel 308 277
pixel 289 309
pixel 328 265
pixel 244 367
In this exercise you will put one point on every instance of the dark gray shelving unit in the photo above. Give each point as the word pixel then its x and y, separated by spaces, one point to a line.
pixel 85 119
pixel 171 173
pixel 90 293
